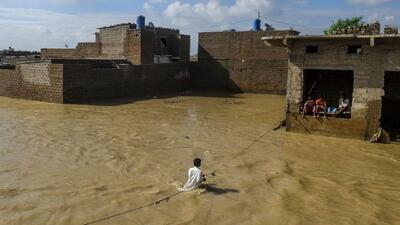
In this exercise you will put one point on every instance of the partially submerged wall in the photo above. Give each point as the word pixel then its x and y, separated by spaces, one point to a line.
pixel 240 61
pixel 9 83
pixel 34 81
pixel 75 81
pixel 41 82
pixel 369 68
pixel 82 82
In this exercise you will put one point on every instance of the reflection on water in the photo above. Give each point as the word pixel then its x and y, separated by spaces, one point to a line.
pixel 71 164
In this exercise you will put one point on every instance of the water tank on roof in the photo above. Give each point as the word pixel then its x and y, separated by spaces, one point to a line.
pixel 257 24
pixel 141 22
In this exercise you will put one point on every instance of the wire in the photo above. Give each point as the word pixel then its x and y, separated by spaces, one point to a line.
pixel 136 209
pixel 290 24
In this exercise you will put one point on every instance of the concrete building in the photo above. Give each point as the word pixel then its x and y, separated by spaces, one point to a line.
pixel 239 61
pixel 125 42
pixel 364 67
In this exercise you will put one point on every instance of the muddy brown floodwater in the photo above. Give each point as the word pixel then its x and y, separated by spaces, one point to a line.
pixel 73 164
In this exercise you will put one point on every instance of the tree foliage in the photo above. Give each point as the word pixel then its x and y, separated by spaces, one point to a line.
pixel 343 23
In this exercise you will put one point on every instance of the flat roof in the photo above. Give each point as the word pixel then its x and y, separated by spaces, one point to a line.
pixel 248 31
pixel 118 25
pixel 332 37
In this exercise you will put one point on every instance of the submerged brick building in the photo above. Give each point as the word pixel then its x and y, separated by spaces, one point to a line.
pixel 365 67
pixel 125 60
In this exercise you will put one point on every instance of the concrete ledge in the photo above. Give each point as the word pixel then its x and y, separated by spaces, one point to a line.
pixel 335 127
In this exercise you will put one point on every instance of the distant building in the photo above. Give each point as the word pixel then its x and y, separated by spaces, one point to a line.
pixel 151 45
pixel 125 60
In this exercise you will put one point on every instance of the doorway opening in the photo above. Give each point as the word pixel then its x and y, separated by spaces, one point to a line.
pixel 331 85
pixel 390 118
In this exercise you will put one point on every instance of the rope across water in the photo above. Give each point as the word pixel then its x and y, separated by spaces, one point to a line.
pixel 167 198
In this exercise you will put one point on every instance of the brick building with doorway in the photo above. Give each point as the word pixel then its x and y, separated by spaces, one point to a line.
pixel 364 67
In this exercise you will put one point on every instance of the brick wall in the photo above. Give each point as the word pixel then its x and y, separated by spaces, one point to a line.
pixel 84 83
pixel 113 41
pixel 133 47
pixel 60 53
pixel 34 81
pixel 147 47
pixel 9 83
pixel 184 47
pixel 41 81
pixel 241 61
pixel 88 50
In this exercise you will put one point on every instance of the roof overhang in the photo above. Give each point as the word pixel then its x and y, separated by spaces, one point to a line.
pixel 284 41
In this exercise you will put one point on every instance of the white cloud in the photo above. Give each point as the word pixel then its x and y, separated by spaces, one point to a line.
pixel 213 14
pixel 33 29
pixel 369 2
pixel 389 18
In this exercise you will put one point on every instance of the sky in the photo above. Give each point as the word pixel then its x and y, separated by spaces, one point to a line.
pixel 35 24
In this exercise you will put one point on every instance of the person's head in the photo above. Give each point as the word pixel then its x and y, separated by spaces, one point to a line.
pixel 197 162
pixel 309 98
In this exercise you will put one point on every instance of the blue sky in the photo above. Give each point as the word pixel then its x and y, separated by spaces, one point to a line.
pixel 33 24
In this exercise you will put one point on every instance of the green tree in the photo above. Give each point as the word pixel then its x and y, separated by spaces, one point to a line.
pixel 343 23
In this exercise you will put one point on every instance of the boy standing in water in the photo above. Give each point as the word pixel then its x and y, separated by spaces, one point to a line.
pixel 195 177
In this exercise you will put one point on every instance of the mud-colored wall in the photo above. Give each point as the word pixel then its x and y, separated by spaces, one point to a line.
pixel 369 69
pixel 9 83
pixel 34 81
pixel 240 61
pixel 41 82
pixel 113 41
pixel 59 53
pixel 84 83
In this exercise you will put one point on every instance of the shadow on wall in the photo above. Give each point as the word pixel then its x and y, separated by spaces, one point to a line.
pixel 210 74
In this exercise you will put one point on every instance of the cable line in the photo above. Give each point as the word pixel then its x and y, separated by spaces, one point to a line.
pixel 167 198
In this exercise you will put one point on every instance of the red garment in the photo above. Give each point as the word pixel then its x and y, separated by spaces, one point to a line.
pixel 320 102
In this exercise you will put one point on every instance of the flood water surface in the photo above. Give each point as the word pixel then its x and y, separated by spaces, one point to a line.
pixel 73 164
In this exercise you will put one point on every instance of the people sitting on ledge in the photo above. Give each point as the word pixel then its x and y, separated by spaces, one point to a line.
pixel 308 107
pixel 320 107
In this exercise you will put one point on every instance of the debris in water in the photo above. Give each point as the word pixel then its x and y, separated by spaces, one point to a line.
pixel 173 101
pixel 233 102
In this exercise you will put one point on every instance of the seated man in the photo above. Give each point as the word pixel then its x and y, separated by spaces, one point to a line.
pixel 320 106
pixel 308 107
pixel 344 104
pixel 195 177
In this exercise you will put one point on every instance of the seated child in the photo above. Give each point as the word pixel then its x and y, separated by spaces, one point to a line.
pixel 195 177
pixel 320 106
pixel 308 106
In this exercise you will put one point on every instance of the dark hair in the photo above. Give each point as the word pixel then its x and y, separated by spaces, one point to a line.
pixel 197 162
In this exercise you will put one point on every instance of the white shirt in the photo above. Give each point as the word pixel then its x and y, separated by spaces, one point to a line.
pixel 195 177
